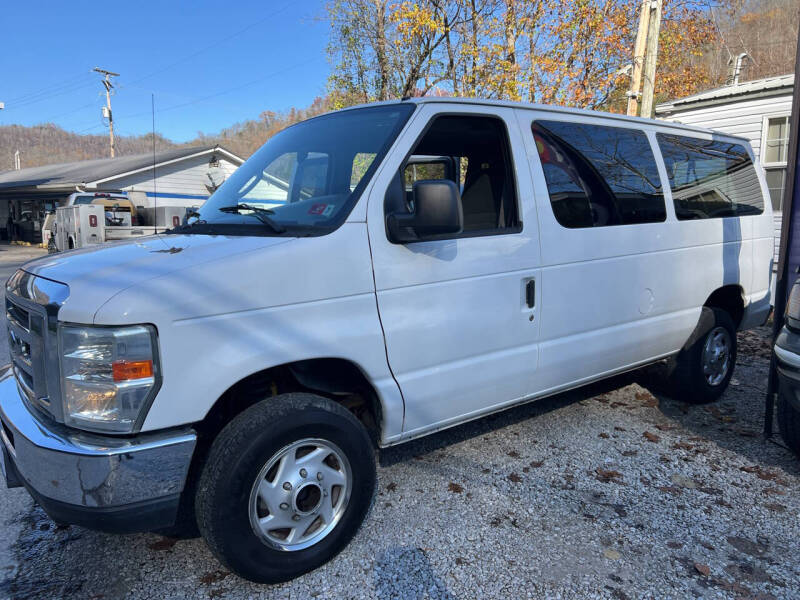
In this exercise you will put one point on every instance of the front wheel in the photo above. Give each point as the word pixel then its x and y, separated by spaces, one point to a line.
pixel 287 484
pixel 704 367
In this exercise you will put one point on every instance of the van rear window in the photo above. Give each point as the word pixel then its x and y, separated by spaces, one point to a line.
pixel 710 178
pixel 598 176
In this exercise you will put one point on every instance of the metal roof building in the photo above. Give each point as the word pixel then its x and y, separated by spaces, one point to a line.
pixel 175 177
pixel 751 90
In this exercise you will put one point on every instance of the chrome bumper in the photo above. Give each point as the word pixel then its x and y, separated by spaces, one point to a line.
pixel 87 472
pixel 787 353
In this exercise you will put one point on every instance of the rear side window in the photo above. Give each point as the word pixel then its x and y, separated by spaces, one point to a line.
pixel 710 179
pixel 599 176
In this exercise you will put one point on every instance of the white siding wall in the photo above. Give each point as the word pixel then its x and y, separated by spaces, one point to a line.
pixel 744 118
pixel 186 177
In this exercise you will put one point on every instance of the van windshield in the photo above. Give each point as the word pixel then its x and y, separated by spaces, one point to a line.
pixel 304 180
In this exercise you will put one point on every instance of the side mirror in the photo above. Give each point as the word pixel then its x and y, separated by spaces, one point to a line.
pixel 437 211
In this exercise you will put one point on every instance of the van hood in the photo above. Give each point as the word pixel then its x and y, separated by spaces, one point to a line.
pixel 97 273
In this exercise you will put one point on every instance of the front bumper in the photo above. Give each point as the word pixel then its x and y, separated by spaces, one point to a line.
pixel 787 353
pixel 101 482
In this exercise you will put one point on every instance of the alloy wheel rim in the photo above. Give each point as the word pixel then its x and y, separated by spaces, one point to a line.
pixel 716 356
pixel 300 494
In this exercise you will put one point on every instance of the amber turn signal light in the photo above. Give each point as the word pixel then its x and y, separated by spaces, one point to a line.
pixel 124 370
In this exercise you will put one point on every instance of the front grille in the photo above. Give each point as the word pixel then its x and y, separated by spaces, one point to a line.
pixel 32 304
pixel 26 346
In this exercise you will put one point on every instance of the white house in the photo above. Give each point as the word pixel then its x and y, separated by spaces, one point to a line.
pixel 176 177
pixel 757 110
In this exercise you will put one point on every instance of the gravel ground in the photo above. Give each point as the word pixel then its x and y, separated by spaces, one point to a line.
pixel 614 491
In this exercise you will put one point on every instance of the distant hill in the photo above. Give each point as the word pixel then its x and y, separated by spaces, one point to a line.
pixel 48 143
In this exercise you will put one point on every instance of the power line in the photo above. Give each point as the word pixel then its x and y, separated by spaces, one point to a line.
pixel 226 91
pixel 90 128
pixel 51 94
pixel 73 84
pixel 272 15
pixel 48 88
pixel 69 112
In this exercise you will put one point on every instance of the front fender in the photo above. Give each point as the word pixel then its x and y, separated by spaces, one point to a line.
pixel 224 320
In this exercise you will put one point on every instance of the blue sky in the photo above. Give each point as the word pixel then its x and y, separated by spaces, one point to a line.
pixel 209 64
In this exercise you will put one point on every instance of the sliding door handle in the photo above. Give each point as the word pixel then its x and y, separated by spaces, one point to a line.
pixel 530 293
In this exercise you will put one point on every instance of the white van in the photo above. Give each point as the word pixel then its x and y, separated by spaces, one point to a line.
pixel 368 277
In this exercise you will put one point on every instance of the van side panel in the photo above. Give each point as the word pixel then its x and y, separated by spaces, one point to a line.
pixel 759 297
pixel 618 296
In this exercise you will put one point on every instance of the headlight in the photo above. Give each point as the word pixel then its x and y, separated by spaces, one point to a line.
pixel 109 376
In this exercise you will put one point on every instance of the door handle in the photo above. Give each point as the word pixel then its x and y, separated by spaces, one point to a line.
pixel 530 293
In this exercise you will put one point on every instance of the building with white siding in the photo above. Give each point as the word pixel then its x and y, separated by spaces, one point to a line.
pixel 757 110
pixel 177 177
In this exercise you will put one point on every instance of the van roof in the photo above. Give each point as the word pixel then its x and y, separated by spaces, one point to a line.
pixel 554 109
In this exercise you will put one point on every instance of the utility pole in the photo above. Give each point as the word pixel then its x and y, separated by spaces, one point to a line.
pixel 107 109
pixel 638 60
pixel 645 58
pixel 651 58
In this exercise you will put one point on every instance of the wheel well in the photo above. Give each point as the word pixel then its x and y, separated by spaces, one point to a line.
pixel 729 298
pixel 335 378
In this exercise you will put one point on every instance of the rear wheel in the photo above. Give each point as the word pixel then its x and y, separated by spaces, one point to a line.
pixel 286 486
pixel 704 368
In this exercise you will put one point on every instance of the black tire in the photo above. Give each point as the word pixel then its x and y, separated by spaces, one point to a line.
pixel 789 421
pixel 238 455
pixel 689 383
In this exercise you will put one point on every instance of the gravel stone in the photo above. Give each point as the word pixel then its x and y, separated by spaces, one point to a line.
pixel 623 516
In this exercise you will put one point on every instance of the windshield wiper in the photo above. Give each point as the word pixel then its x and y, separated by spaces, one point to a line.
pixel 262 214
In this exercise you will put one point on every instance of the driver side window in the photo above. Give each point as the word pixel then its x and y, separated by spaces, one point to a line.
pixel 473 152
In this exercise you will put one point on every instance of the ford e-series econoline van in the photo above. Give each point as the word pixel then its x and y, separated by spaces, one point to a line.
pixel 368 277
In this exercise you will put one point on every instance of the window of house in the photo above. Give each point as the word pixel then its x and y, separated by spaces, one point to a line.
pixel 599 176
pixel 777 140
pixel 774 156
pixel 710 178
pixel 776 179
pixel 474 153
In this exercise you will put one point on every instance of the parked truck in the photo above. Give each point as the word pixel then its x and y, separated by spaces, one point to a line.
pixel 85 224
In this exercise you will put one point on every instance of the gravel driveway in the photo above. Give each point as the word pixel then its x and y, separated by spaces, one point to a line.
pixel 608 492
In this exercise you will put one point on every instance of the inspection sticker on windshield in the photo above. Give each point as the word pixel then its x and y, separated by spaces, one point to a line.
pixel 323 210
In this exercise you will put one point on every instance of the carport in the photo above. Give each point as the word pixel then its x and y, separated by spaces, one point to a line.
pixel 177 177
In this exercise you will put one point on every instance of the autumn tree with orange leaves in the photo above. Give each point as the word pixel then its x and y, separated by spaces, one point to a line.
pixel 569 52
